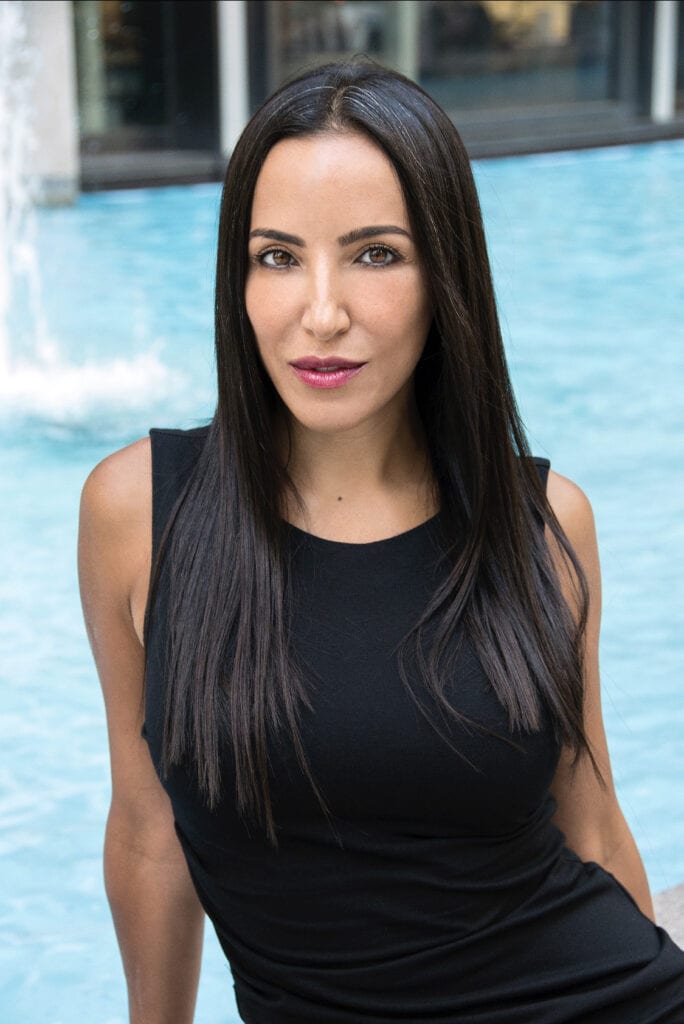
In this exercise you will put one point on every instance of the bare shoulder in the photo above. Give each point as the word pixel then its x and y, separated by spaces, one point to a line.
pixel 118 491
pixel 115 537
pixel 576 517
pixel 572 509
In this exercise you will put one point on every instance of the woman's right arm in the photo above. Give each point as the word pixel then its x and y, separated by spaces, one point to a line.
pixel 157 916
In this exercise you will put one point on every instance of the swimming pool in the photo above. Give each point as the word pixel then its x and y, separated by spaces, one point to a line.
pixel 587 251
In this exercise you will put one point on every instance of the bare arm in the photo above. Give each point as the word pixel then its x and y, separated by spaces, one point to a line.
pixel 157 916
pixel 589 815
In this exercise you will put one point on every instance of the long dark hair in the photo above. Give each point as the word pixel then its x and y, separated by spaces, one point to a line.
pixel 230 665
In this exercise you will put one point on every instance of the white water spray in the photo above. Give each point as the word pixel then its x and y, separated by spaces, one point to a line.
pixel 37 381
pixel 17 222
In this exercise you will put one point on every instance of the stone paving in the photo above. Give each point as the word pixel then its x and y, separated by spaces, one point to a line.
pixel 669 909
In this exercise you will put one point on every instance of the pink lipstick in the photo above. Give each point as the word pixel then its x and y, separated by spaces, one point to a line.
pixel 328 372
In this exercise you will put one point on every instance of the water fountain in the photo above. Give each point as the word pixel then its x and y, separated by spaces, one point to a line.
pixel 39 382
pixel 17 221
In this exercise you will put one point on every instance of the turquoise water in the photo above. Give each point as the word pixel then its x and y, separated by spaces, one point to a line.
pixel 588 250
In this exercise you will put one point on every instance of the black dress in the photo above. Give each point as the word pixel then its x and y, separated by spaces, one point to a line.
pixel 441 892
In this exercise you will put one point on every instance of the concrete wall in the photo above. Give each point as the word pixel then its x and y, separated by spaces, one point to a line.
pixel 669 909
pixel 54 164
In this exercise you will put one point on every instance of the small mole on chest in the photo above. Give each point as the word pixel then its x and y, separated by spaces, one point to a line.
pixel 340 498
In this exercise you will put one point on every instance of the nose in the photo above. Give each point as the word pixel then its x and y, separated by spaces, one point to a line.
pixel 325 315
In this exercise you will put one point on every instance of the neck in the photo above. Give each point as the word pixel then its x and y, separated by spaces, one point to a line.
pixel 340 477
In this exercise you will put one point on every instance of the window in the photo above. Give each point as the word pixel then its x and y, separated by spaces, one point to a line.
pixel 146 74
pixel 499 54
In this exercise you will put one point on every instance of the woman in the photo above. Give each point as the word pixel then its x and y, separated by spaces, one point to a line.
pixel 356 624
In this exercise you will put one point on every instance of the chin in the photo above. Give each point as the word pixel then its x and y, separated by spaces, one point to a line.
pixel 327 421
pixel 329 425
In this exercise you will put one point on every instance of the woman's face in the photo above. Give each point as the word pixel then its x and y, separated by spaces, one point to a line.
pixel 335 292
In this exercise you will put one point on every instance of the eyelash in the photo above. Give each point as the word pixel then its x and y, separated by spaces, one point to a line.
pixel 259 257
pixel 396 257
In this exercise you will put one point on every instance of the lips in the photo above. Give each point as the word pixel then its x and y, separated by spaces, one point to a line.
pixel 325 363
pixel 327 372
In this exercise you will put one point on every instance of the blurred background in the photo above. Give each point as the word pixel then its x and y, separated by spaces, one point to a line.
pixel 130 91
pixel 116 122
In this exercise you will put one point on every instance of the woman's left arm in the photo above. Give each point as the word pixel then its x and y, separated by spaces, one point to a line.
pixel 588 813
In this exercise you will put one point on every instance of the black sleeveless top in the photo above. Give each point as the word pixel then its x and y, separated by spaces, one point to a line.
pixel 440 891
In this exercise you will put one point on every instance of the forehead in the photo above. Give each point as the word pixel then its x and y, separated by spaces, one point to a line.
pixel 340 176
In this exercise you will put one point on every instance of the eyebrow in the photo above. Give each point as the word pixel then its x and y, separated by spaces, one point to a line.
pixel 357 235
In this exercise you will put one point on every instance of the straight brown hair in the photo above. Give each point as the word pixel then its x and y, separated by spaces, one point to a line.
pixel 230 667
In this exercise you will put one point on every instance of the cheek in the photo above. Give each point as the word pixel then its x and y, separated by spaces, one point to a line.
pixel 267 313
pixel 399 312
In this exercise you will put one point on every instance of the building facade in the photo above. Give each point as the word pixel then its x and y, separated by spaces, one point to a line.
pixel 160 89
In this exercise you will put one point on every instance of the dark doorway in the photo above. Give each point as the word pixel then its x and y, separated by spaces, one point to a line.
pixel 147 75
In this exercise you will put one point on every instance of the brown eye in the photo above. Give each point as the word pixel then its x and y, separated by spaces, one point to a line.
pixel 279 258
pixel 379 256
